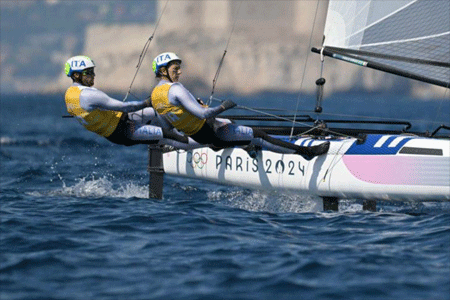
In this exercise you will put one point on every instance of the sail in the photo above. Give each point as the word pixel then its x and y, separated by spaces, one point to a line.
pixel 411 37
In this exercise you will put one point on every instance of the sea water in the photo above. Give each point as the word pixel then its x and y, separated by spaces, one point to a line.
pixel 76 222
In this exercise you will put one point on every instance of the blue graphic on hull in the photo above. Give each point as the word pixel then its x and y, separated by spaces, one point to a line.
pixel 375 144
pixel 379 144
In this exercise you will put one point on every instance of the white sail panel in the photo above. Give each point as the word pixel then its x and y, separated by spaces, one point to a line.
pixel 410 35
pixel 347 20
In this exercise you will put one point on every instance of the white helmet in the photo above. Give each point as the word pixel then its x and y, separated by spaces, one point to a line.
pixel 163 60
pixel 78 64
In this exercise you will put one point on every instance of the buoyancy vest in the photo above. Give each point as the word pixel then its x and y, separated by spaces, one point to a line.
pixel 178 116
pixel 102 122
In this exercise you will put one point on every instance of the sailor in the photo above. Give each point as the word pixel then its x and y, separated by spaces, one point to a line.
pixel 178 108
pixel 124 123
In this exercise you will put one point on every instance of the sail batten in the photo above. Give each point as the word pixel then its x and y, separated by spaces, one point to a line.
pixel 400 41
pixel 379 20
pixel 404 34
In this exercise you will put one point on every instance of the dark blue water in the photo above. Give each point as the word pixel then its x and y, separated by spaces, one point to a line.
pixel 76 223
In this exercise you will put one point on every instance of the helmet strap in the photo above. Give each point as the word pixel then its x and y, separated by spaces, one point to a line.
pixel 167 75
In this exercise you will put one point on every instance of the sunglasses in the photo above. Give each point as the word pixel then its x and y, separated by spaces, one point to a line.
pixel 88 72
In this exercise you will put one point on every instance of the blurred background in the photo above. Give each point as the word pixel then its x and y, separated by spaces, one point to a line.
pixel 268 50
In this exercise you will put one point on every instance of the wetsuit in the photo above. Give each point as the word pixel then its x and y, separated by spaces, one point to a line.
pixel 125 123
pixel 178 108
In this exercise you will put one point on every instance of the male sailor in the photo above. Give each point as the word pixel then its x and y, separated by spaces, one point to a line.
pixel 178 108
pixel 124 123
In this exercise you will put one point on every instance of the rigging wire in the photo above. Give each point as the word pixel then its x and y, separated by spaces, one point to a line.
pixel 304 67
pixel 375 118
pixel 294 121
pixel 216 76
pixel 438 112
pixel 271 115
pixel 144 51
pixel 312 127
pixel 260 110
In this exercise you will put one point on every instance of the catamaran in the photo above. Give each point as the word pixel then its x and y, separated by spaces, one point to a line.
pixel 410 38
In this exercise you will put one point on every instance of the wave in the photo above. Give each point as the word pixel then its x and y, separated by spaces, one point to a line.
pixel 275 202
pixel 97 188
pixel 47 142
pixel 285 202
pixel 263 201
pixel 8 141
pixel 47 261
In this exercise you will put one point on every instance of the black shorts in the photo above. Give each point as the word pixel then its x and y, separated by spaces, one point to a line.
pixel 121 134
pixel 206 135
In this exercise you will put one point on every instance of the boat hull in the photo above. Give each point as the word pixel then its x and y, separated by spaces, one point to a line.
pixel 383 167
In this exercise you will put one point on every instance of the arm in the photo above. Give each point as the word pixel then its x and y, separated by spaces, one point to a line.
pixel 180 96
pixel 91 99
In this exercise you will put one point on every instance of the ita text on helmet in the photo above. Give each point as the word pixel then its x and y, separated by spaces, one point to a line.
pixel 78 64
pixel 163 60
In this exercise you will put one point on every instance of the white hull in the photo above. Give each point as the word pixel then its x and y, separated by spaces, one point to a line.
pixel 384 167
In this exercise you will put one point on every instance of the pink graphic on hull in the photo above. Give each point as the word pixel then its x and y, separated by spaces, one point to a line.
pixel 398 170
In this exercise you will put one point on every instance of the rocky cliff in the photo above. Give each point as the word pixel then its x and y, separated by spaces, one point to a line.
pixel 251 64
pixel 267 50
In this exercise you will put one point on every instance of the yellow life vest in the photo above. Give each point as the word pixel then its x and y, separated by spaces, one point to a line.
pixel 178 116
pixel 102 122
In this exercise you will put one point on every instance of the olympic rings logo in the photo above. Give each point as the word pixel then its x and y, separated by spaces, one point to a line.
pixel 197 160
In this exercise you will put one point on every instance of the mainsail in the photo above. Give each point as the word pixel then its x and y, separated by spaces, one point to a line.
pixel 405 37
